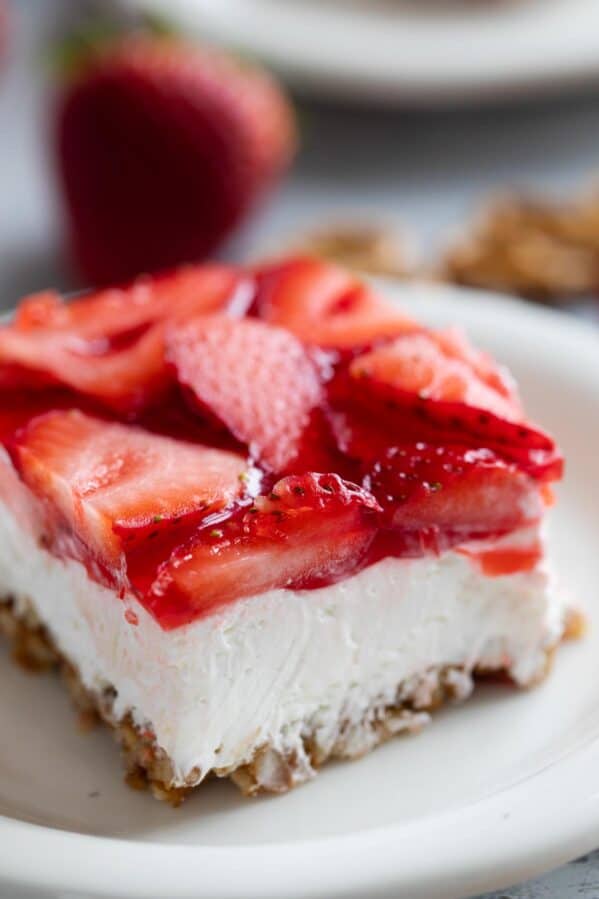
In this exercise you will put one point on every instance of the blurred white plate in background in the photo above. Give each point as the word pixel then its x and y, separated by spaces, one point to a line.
pixel 410 51
pixel 490 794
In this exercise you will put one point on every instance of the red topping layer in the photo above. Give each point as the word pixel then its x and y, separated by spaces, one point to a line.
pixel 415 390
pixel 444 496
pixel 110 345
pixel 310 530
pixel 417 364
pixel 153 421
pixel 115 486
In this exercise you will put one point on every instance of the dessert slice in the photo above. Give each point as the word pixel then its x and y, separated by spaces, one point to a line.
pixel 284 533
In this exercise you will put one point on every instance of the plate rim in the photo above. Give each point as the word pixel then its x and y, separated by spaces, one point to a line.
pixel 501 840
pixel 526 72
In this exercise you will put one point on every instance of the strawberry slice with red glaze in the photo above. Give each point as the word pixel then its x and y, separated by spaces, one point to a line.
pixel 311 530
pixel 255 379
pixel 438 497
pixel 326 305
pixel 110 345
pixel 123 379
pixel 417 364
pixel 111 486
pixel 18 407
pixel 38 310
pixel 410 390
pixel 367 425
pixel 113 311
pixel 454 344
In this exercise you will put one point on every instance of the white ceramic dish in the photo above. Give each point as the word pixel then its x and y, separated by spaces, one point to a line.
pixel 419 52
pixel 492 793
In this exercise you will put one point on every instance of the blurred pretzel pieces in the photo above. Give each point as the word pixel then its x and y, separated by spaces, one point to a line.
pixel 542 250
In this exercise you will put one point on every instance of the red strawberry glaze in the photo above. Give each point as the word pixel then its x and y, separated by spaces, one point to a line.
pixel 310 531
pixel 373 437
pixel 256 554
pixel 368 416
pixel 501 562
pixel 18 407
pixel 113 488
pixel 109 345
pixel 454 345
pixel 422 364
pixel 445 496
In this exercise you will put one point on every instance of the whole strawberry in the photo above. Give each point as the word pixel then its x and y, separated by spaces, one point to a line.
pixel 162 148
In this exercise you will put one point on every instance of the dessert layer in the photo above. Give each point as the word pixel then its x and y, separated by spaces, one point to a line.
pixel 274 671
pixel 211 434
pixel 268 771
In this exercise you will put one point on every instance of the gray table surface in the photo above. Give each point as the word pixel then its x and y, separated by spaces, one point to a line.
pixel 426 171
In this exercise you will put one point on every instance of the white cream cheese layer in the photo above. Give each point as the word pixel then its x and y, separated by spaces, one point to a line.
pixel 257 671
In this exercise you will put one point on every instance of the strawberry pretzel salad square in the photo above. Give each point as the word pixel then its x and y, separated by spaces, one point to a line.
pixel 262 518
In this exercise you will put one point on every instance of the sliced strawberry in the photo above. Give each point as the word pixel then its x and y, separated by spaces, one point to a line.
pixel 123 380
pixel 367 424
pixel 115 310
pixel 455 345
pixel 416 364
pixel 326 305
pixel 311 530
pixel 410 391
pixel 439 497
pixel 254 378
pixel 110 345
pixel 114 485
pixel 38 310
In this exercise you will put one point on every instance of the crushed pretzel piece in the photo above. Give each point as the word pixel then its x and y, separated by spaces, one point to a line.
pixel 542 250
pixel 364 247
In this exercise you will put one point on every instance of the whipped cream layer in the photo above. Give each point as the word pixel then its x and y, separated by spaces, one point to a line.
pixel 266 669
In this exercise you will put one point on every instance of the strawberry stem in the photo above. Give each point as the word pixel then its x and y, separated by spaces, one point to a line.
pixel 97 30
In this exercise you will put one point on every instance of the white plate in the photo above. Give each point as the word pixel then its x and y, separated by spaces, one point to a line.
pixel 491 793
pixel 418 51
